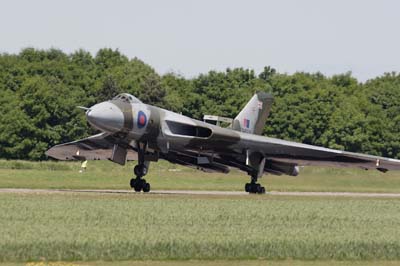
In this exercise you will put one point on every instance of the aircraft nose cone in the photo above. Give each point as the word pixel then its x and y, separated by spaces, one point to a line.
pixel 106 116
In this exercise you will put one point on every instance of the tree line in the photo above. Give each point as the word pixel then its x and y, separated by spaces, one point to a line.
pixel 40 89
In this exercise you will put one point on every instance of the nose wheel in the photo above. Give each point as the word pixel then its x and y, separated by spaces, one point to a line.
pixel 139 183
pixel 140 170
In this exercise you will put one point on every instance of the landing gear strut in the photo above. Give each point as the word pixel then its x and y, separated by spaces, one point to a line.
pixel 140 170
pixel 256 162
pixel 253 187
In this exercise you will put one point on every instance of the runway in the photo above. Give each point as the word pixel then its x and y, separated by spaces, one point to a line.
pixel 202 192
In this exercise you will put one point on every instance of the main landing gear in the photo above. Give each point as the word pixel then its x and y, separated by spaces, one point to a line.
pixel 140 170
pixel 256 163
pixel 253 187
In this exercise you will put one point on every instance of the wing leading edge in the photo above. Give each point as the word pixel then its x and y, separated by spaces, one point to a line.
pixel 96 147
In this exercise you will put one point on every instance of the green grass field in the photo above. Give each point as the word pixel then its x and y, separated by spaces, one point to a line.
pixel 91 227
pixel 107 175
pixel 165 230
pixel 210 263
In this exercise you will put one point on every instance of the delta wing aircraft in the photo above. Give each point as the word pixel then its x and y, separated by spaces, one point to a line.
pixel 132 130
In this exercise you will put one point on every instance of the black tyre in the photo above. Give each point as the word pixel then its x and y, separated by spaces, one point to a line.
pixel 247 187
pixel 140 170
pixel 133 182
pixel 252 188
pixel 137 170
pixel 262 190
pixel 136 184
pixel 146 187
pixel 144 170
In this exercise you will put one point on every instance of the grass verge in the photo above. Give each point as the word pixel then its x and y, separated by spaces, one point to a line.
pixel 107 175
pixel 210 263
pixel 87 227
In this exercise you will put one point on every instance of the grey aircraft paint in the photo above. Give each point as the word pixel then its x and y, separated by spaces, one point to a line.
pixel 127 124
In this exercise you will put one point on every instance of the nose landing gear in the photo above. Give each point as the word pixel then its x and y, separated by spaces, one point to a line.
pixel 138 183
pixel 140 170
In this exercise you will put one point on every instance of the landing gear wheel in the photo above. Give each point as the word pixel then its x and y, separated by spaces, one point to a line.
pixel 139 184
pixel 254 188
pixel 137 188
pixel 140 170
pixel 132 182
pixel 247 187
pixel 136 184
pixel 144 170
pixel 146 187
pixel 136 170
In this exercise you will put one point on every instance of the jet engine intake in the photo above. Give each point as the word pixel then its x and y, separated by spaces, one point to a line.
pixel 188 130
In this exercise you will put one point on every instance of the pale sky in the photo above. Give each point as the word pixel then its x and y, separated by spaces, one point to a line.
pixel 193 37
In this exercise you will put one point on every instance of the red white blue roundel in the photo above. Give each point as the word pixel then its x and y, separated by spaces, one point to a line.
pixel 141 119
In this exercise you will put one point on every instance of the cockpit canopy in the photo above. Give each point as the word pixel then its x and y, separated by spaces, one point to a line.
pixel 126 97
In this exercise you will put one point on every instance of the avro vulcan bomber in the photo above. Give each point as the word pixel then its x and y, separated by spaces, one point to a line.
pixel 133 130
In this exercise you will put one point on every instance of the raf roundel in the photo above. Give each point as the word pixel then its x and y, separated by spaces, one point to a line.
pixel 141 119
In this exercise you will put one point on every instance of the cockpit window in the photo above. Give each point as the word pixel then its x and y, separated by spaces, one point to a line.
pixel 127 98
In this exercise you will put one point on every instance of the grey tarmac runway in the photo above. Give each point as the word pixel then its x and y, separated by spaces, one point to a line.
pixel 200 192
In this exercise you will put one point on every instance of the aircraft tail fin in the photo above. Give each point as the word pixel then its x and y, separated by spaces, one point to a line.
pixel 253 116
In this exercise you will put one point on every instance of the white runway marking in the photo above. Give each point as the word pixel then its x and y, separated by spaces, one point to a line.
pixel 200 192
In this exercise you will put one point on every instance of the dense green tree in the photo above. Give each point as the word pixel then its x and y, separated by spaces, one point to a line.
pixel 40 89
pixel 384 94
pixel 151 91
pixel 107 58
pixel 177 90
pixel 108 89
pixel 267 73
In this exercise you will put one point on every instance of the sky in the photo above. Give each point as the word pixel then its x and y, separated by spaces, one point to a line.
pixel 192 37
